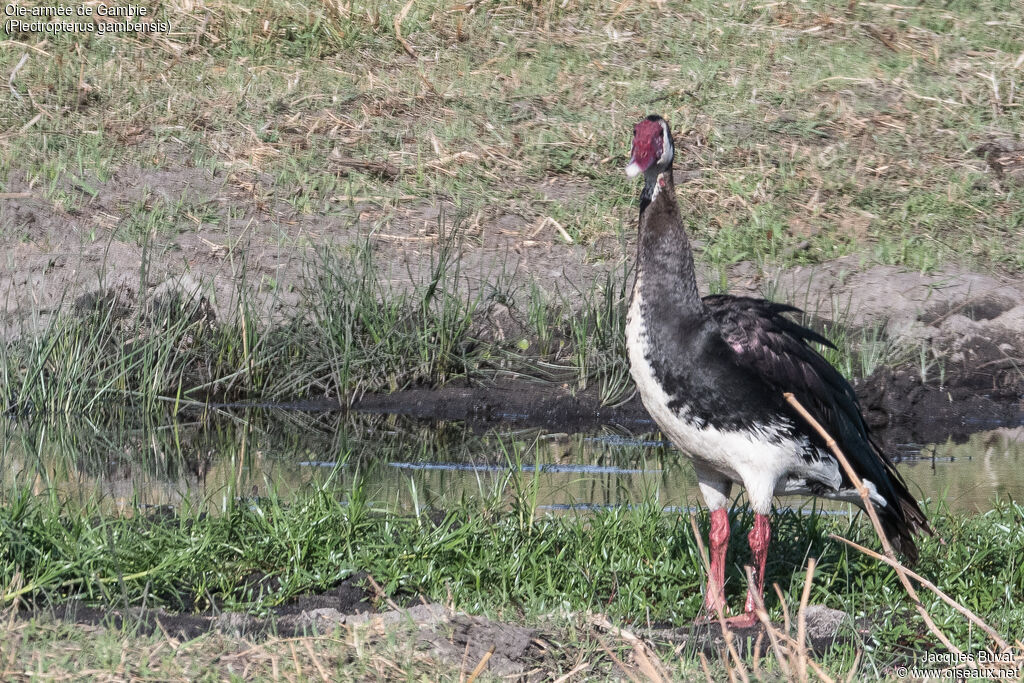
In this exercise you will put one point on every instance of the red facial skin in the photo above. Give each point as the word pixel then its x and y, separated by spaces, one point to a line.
pixel 648 143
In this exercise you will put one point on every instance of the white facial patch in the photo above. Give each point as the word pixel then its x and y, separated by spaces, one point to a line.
pixel 666 146
pixel 633 170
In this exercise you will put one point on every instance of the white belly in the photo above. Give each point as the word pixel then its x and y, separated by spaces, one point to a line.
pixel 756 457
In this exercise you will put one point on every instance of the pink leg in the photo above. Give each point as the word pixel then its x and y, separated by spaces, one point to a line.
pixel 714 598
pixel 759 537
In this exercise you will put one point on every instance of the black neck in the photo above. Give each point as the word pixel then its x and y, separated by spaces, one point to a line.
pixel 647 194
pixel 664 257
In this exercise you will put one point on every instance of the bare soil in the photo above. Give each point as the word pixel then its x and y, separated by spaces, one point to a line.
pixel 244 242
pixel 969 326
pixel 825 629
pixel 440 633
pixel 444 634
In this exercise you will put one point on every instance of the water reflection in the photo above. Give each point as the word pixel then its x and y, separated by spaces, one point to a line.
pixel 403 464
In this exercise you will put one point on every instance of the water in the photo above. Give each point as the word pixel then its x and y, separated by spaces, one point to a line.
pixel 405 465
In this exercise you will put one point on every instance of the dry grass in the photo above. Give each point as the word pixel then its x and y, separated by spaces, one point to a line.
pixel 53 651
pixel 818 131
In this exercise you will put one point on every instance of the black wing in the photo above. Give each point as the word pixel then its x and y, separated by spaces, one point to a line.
pixel 779 351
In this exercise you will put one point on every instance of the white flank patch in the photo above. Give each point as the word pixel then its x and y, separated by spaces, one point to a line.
pixel 745 456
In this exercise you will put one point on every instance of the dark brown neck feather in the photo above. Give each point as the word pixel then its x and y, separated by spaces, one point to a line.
pixel 664 258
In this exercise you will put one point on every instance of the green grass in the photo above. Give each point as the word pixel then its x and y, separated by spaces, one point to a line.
pixel 806 124
pixel 807 128
pixel 351 333
pixel 219 516
pixel 497 557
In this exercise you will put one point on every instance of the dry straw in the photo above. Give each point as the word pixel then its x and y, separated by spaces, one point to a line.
pixel 902 572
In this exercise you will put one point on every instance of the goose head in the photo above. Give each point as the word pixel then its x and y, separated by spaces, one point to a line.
pixel 652 148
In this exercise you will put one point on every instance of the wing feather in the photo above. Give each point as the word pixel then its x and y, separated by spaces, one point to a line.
pixel 779 351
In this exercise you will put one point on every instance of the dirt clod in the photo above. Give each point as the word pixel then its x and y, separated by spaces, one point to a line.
pixel 469 639
pixel 824 629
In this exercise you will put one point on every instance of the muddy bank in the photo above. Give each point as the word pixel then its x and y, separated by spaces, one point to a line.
pixel 439 632
pixel 959 338
pixel 904 410
pixel 446 635
pixel 533 404
pixel 352 598
pixel 958 335
pixel 899 406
